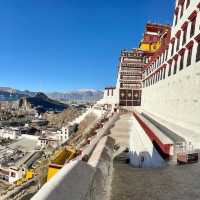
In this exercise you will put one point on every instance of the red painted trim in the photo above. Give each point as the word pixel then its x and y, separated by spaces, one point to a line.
pixel 182 51
pixel 178 34
pixel 181 2
pixel 157 70
pixel 55 166
pixel 176 10
pixel 172 40
pixel 163 66
pixel 190 44
pixel 197 38
pixel 184 26
pixel 170 61
pixel 165 147
pixel 175 57
pixel 158 53
pixel 193 15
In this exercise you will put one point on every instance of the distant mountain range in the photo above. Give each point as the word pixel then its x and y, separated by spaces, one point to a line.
pixel 11 94
pixel 83 95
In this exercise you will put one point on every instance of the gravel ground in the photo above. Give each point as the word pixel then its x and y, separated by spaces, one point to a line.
pixel 169 183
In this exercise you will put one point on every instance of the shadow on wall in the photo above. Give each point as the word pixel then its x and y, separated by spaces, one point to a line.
pixel 146 160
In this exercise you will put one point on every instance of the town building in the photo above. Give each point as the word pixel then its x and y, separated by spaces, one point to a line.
pixel 9 133
pixel 45 141
pixel 48 138
pixel 14 163
pixel 66 132
pixel 109 97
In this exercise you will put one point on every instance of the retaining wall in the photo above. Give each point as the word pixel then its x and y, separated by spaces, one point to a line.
pixel 79 180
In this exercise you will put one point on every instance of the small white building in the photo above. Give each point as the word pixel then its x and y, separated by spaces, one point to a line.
pixel 45 141
pixel 65 132
pixel 11 174
pixel 48 138
pixel 14 163
pixel 110 100
pixel 11 133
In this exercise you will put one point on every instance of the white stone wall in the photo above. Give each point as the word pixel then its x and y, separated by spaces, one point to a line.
pixel 177 98
pixel 111 99
pixel 79 180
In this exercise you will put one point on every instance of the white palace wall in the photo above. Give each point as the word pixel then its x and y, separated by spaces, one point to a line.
pixel 177 97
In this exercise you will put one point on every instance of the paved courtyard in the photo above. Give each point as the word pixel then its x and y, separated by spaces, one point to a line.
pixel 169 183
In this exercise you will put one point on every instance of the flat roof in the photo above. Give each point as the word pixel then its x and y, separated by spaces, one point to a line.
pixel 24 144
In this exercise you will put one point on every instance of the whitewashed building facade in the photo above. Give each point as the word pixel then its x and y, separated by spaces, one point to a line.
pixel 171 89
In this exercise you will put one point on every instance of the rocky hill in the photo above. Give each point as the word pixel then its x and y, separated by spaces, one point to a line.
pixel 42 103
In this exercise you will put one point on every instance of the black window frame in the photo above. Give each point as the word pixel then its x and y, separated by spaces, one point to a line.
pixel 178 43
pixel 193 26
pixel 188 3
pixel 176 19
pixel 172 50
pixel 181 62
pixel 164 73
pixel 189 57
pixel 108 92
pixel 166 54
pixel 182 9
pixel 198 52
pixel 175 66
pixel 161 73
pixel 184 36
pixel 163 57
pixel 159 61
pixel 170 69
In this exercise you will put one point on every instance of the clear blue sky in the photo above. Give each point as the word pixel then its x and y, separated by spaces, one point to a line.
pixel 59 45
